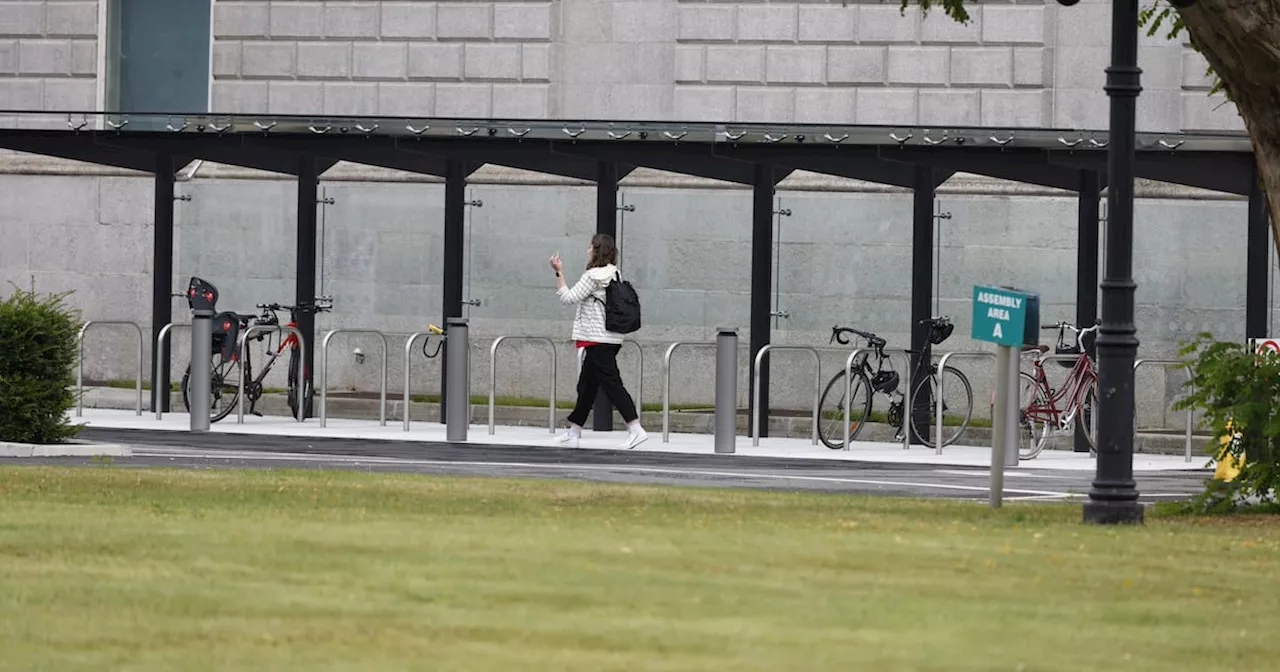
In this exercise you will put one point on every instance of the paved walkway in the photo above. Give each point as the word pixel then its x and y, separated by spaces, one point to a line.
pixel 687 444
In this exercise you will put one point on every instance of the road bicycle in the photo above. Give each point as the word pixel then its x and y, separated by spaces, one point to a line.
pixel 1045 409
pixel 881 380
pixel 226 369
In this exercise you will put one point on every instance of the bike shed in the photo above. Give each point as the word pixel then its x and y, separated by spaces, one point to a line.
pixel 755 155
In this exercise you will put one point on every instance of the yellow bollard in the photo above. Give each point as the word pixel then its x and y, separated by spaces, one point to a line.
pixel 1228 466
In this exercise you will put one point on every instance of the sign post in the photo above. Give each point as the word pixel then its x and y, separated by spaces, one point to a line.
pixel 1010 318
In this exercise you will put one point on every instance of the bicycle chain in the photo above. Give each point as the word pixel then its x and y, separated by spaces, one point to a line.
pixel 895 414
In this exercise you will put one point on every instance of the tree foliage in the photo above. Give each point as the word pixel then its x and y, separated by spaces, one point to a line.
pixel 38 338
pixel 1156 15
pixel 1236 390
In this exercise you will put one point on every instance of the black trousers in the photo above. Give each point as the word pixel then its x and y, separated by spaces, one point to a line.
pixel 600 371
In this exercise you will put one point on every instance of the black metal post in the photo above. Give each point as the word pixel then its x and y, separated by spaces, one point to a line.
pixel 921 290
pixel 1087 268
pixel 1114 496
pixel 455 197
pixel 162 278
pixel 606 223
pixel 305 288
pixel 1257 320
pixel 761 281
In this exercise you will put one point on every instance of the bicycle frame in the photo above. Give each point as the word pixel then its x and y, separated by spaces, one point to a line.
pixel 291 342
pixel 1082 373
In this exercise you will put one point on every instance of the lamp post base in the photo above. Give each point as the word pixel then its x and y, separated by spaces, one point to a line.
pixel 1113 513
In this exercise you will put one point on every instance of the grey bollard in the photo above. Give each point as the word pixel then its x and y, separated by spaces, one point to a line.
pixel 1013 412
pixel 726 389
pixel 998 412
pixel 199 389
pixel 457 361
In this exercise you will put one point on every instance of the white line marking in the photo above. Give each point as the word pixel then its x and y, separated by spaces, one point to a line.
pixel 354 460
pixel 986 474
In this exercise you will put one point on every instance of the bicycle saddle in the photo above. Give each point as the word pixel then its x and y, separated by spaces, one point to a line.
pixel 1035 348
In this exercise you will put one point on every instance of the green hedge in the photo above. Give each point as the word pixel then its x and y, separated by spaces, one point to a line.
pixel 37 368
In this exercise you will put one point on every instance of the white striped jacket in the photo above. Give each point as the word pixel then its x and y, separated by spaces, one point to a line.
pixel 589 294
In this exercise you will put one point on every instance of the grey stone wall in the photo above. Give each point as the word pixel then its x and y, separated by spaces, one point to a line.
pixel 49 55
pixel 843 257
pixel 384 58
pixel 1015 65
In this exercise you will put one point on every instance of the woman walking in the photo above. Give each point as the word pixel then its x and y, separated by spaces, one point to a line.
pixel 601 346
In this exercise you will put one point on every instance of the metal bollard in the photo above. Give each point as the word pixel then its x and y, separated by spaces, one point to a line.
pixel 1013 412
pixel 457 360
pixel 726 389
pixel 198 387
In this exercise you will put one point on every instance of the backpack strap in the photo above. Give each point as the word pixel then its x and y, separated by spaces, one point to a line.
pixel 617 276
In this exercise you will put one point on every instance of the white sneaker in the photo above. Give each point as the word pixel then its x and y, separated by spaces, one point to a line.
pixel 570 437
pixel 635 438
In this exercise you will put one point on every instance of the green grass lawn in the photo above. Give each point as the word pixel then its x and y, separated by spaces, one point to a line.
pixel 105 568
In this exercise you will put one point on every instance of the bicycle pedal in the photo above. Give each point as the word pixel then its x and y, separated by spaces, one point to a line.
pixel 257 413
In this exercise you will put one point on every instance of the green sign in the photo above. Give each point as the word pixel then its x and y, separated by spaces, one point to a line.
pixel 1005 316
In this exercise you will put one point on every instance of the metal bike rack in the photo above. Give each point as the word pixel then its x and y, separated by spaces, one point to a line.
pixel 942 363
pixel 80 362
pixel 160 342
pixel 1167 364
pixel 755 376
pixel 408 368
pixel 324 372
pixel 302 352
pixel 493 377
pixel 666 382
pixel 848 393
pixel 582 353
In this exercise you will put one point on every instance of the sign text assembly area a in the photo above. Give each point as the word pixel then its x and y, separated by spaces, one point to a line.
pixel 1005 316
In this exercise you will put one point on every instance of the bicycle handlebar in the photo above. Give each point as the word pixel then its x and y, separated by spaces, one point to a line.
pixel 838 336
pixel 1080 333
pixel 322 304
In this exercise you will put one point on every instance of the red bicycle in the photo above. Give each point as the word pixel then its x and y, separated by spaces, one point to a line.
pixel 226 367
pixel 1047 410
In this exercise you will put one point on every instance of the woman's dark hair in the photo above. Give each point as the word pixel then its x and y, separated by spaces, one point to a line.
pixel 603 251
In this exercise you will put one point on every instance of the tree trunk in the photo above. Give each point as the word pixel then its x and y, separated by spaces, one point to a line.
pixel 1241 40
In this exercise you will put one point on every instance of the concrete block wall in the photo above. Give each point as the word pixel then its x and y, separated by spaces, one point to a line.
pixel 450 58
pixel 1023 64
pixel 1015 64
pixel 49 55
pixel 842 258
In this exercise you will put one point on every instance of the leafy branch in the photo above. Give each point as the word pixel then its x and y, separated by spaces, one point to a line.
pixel 1160 12
pixel 1236 390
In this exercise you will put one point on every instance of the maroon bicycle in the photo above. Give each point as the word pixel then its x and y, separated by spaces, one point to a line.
pixel 1047 410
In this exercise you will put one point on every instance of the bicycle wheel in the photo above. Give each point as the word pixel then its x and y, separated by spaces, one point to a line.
pixel 224 379
pixel 957 407
pixel 1087 414
pixel 1033 429
pixel 307 395
pixel 831 409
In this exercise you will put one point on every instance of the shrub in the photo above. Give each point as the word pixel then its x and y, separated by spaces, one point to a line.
pixel 37 360
pixel 1237 390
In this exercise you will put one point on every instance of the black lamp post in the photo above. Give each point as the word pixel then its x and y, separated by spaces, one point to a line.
pixel 1114 496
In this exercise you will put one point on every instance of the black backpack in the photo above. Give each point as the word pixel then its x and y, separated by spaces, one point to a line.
pixel 621 306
